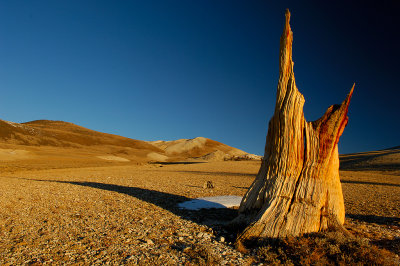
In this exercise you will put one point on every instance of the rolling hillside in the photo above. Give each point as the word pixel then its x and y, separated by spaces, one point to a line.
pixel 382 160
pixel 202 149
pixel 64 142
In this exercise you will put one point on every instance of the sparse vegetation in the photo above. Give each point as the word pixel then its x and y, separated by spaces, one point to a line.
pixel 330 248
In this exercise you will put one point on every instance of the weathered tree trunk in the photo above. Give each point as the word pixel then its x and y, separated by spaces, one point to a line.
pixel 297 189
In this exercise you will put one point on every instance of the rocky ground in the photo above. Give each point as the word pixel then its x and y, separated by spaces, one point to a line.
pixel 128 214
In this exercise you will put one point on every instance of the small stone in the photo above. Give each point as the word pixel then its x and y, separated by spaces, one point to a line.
pixel 208 184
pixel 149 242
pixel 180 238
pixel 200 234
pixel 222 239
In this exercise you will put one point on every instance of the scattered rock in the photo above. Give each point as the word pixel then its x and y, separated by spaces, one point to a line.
pixel 208 185
pixel 115 228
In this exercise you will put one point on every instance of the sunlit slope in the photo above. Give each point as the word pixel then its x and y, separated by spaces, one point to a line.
pixel 63 142
pixel 201 148
pixel 59 133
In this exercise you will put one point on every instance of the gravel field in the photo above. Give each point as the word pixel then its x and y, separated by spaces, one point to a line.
pixel 127 214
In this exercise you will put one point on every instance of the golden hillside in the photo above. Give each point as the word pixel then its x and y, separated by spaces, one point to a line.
pixel 68 145
pixel 202 149
pixel 62 134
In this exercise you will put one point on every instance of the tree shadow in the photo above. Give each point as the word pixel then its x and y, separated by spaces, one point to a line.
pixel 214 218
pixel 389 244
pixel 240 187
pixel 384 220
pixel 373 167
pixel 369 183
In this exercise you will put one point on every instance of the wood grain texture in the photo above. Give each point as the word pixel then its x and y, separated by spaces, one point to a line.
pixel 297 189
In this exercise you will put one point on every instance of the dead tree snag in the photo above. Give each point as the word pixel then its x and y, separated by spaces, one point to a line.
pixel 297 189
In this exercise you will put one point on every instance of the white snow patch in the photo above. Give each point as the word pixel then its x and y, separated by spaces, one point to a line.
pixel 218 202
pixel 113 158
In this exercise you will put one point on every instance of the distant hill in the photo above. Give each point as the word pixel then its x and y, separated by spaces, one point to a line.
pixel 394 148
pixel 202 149
pixel 382 160
pixel 63 134
pixel 65 143
pixel 57 138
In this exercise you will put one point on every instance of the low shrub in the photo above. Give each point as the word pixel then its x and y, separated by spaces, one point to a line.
pixel 329 248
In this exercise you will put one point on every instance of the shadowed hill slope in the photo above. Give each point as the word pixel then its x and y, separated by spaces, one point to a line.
pixel 382 160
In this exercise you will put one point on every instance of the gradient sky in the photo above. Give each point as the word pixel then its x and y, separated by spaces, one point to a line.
pixel 167 70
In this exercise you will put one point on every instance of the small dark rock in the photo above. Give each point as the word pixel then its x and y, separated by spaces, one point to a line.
pixel 208 184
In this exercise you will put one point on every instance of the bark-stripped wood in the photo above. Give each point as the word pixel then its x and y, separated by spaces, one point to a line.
pixel 297 189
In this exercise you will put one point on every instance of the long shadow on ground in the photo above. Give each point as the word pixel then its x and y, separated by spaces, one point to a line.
pixel 373 167
pixel 376 219
pixel 389 244
pixel 370 183
pixel 214 218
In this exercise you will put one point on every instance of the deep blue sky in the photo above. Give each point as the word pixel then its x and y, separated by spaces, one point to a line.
pixel 166 70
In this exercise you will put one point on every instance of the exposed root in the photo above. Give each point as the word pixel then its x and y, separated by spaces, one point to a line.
pixel 335 225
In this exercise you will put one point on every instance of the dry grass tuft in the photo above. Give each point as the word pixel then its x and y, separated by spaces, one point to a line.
pixel 322 249
pixel 200 255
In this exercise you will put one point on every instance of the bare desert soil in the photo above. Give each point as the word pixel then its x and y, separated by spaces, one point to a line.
pixel 127 214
